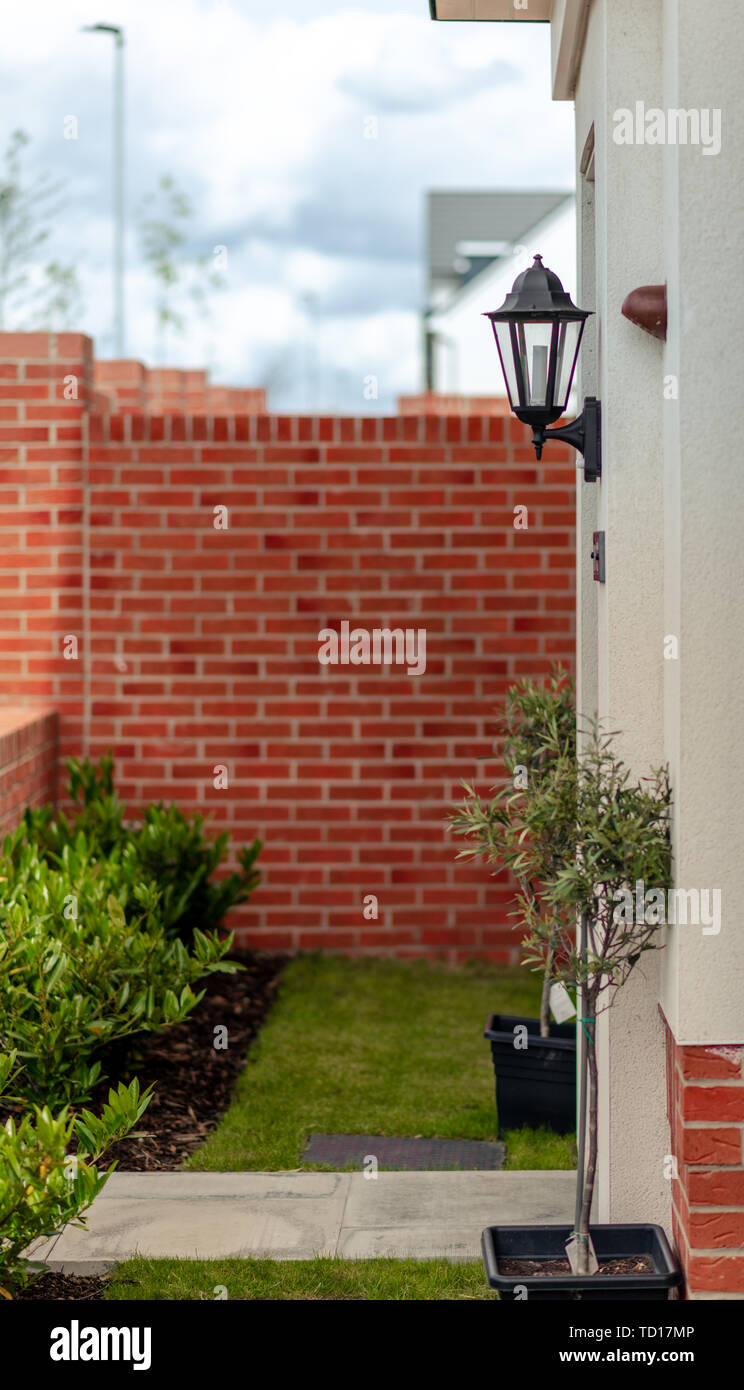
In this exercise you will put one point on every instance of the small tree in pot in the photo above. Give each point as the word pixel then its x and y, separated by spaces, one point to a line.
pixel 615 886
pixel 529 825
pixel 622 841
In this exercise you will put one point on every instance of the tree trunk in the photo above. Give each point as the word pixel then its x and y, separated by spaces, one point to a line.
pixel 591 1163
pixel 545 1000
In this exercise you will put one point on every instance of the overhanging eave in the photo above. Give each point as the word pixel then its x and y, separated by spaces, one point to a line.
pixel 567 18
pixel 536 11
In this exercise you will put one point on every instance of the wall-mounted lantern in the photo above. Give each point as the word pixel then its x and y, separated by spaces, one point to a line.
pixel 538 332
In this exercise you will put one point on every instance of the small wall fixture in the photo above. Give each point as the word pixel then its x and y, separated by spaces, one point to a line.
pixel 538 333
pixel 598 556
pixel 646 307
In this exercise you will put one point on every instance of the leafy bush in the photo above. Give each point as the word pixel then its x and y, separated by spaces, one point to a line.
pixel 43 1186
pixel 165 848
pixel 623 838
pixel 84 962
pixel 530 825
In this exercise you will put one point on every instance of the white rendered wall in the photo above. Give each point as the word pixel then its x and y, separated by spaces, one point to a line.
pixel 703 978
pixel 621 622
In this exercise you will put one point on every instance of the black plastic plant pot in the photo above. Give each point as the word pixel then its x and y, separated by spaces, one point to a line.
pixel 536 1084
pixel 502 1243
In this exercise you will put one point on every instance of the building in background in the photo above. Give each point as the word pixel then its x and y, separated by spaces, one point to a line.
pixel 469 274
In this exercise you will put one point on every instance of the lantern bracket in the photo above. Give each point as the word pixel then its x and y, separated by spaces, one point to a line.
pixel 584 434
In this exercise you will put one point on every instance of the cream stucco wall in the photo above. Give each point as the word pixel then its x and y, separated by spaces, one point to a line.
pixel 703 982
pixel 672 504
pixel 621 622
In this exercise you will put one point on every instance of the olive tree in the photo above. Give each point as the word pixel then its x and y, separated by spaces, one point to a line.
pixel 622 839
pixel 529 824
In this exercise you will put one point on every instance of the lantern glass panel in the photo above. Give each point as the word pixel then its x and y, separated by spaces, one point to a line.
pixel 534 338
pixel 569 334
pixel 502 333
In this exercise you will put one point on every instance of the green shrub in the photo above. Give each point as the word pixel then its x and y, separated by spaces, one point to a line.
pixel 529 824
pixel 42 1185
pixel 85 961
pixel 165 848
pixel 623 838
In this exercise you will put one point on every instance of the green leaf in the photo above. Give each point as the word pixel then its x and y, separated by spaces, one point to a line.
pixel 115 911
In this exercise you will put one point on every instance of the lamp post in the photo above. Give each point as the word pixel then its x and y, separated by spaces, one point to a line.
pixel 538 333
pixel 118 176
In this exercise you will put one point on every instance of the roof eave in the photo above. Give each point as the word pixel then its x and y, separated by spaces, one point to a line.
pixel 567 18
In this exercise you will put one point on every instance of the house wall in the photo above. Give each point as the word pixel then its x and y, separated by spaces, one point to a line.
pixel 197 647
pixel 703 993
pixel 621 676
pixel 670 501
pixel 703 977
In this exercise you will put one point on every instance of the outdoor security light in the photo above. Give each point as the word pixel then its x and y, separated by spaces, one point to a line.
pixel 538 331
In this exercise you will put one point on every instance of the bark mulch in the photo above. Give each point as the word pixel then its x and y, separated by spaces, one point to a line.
pixel 193 1079
pixel 90 1287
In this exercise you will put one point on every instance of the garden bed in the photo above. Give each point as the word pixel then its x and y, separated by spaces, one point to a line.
pixel 193 1079
pixel 66 1287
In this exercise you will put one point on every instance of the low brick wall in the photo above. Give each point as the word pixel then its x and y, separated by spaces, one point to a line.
pixel 28 762
pixel 706 1116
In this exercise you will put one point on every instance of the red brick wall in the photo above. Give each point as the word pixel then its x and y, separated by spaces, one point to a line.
pixel 706 1114
pixel 124 385
pixel 45 388
pixel 437 403
pixel 28 762
pixel 198 646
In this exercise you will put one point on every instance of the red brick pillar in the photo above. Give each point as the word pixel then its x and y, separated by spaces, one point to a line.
pixel 47 382
pixel 125 382
pixel 706 1115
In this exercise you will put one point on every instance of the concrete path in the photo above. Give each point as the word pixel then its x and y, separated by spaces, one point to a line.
pixel 297 1215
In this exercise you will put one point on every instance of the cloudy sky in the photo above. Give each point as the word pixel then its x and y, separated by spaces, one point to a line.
pixel 305 134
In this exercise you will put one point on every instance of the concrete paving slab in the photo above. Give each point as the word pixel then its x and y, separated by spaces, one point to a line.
pixel 298 1215
pixel 405 1199
pixel 441 1215
pixel 206 1216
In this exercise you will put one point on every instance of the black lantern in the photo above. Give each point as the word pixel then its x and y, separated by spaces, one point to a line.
pixel 538 333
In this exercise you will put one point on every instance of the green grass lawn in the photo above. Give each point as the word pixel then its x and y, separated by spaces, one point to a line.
pixel 376 1047
pixel 287 1280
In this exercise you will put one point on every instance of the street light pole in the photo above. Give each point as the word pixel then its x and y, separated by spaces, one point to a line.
pixel 118 176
